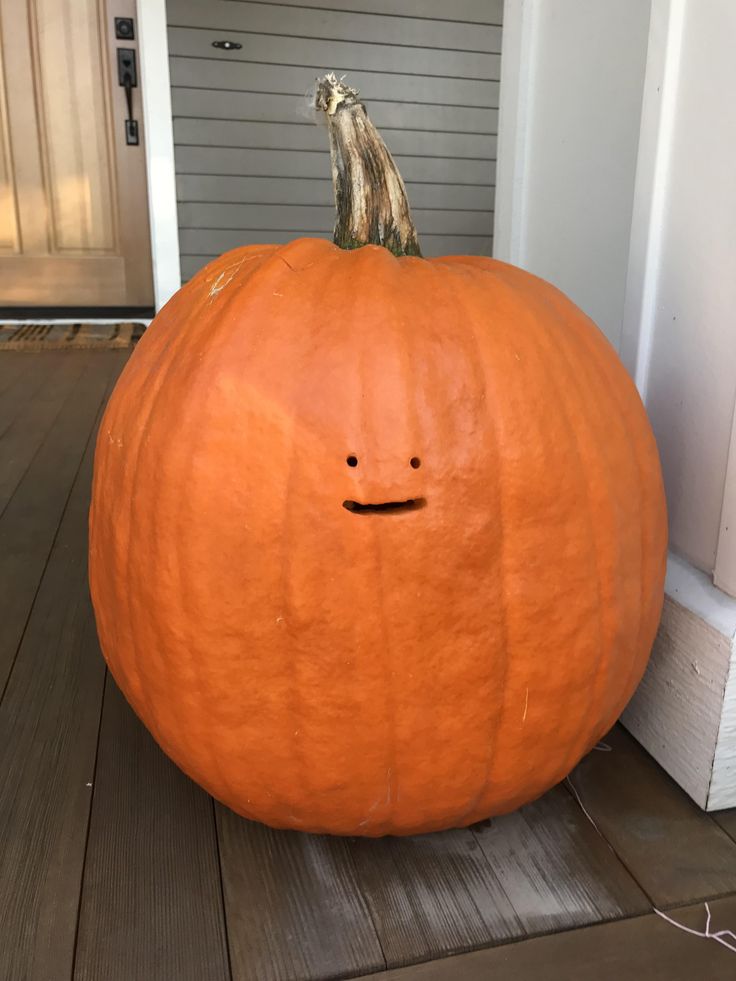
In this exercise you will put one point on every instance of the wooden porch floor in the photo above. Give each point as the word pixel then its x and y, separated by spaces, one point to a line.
pixel 115 867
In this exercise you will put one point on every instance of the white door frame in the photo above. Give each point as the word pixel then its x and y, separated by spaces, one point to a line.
pixel 517 64
pixel 159 144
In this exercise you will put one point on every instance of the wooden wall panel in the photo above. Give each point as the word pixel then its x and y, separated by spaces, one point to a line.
pixel 8 214
pixel 70 73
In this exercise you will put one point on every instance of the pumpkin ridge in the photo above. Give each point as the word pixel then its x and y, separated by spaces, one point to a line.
pixel 155 406
pixel 503 711
pixel 294 697
pixel 606 648
pixel 151 414
pixel 403 346
pixel 533 363
pixel 589 357
pixel 453 287
pixel 387 655
pixel 127 679
pixel 595 352
pixel 645 454
pixel 293 693
pixel 387 806
pixel 203 750
pixel 149 397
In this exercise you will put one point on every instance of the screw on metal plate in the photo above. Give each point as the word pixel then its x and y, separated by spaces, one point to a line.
pixel 227 45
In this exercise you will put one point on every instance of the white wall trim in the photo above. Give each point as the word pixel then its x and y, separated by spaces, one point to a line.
pixel 650 190
pixel 693 589
pixel 159 141
pixel 724 573
pixel 684 711
pixel 721 791
pixel 517 66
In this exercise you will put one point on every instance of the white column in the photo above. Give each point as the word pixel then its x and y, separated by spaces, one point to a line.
pixel 159 130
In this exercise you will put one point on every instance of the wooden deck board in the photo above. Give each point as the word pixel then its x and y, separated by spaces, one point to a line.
pixel 727 821
pixel 676 852
pixel 293 906
pixel 12 367
pixel 30 521
pixel 542 869
pixel 25 434
pixel 24 377
pixel 432 895
pixel 556 869
pixel 644 947
pixel 49 719
pixel 151 883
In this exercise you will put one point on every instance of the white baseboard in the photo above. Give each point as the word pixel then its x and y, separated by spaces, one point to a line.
pixel 684 711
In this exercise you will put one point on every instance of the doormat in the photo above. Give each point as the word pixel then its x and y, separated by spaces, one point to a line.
pixel 68 337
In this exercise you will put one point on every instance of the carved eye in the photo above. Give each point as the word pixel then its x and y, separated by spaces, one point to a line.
pixel 415 462
pixel 352 461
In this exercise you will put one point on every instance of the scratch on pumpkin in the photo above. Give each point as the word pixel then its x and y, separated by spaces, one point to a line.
pixel 218 286
pixel 285 262
pixel 526 704
pixel 371 809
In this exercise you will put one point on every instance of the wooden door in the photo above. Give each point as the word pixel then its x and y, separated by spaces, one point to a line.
pixel 74 228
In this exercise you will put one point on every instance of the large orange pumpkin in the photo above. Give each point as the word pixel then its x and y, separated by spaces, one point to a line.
pixel 377 542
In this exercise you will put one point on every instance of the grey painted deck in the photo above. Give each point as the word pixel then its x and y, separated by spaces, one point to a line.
pixel 115 867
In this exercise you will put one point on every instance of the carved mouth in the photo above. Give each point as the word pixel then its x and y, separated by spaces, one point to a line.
pixel 388 507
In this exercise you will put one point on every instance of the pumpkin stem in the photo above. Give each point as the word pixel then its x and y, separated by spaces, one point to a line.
pixel 372 207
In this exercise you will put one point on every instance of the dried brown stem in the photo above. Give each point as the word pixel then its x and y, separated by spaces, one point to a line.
pixel 370 197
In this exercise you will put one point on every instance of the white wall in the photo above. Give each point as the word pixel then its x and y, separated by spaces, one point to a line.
pixel 571 91
pixel 687 331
